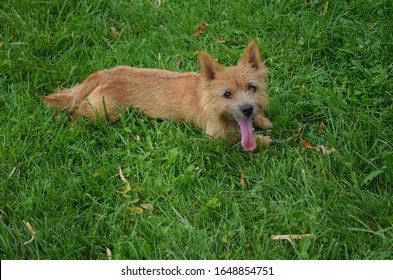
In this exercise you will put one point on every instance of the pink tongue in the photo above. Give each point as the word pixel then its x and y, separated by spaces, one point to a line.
pixel 248 139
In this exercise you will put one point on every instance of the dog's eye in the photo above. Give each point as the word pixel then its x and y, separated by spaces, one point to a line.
pixel 227 95
pixel 252 88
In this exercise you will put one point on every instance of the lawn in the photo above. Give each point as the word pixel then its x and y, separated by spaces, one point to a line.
pixel 179 195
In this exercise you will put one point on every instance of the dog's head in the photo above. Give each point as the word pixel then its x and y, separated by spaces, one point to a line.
pixel 236 94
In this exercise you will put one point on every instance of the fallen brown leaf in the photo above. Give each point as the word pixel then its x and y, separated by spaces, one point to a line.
pixel 114 32
pixel 200 29
pixel 32 231
pixel 292 236
pixel 296 135
pixel 122 177
pixel 325 8
pixel 128 185
pixel 179 61
pixel 135 200
pixel 324 150
pixel 288 239
pixel 169 196
pixel 12 172
pixel 220 40
pixel 320 148
pixel 109 253
pixel 328 152
pixel 321 127
pixel 148 207
pixel 30 228
pixel 3 216
pixel 306 144
pixel 224 255
pixel 126 190
pixel 135 209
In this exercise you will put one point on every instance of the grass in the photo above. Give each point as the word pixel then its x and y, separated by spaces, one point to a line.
pixel 329 61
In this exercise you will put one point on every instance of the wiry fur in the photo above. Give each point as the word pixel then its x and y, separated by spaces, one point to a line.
pixel 183 97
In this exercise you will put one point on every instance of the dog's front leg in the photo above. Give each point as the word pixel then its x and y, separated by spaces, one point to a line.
pixel 264 140
pixel 262 122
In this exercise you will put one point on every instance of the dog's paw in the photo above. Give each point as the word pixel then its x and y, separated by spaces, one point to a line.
pixel 263 123
pixel 265 140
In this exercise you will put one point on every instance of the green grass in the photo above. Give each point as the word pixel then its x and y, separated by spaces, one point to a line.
pixel 329 61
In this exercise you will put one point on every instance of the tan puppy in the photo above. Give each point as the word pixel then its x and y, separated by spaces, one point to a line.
pixel 225 101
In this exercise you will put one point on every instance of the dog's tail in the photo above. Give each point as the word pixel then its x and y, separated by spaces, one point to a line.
pixel 69 98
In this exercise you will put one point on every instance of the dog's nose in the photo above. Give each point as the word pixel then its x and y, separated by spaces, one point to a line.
pixel 247 110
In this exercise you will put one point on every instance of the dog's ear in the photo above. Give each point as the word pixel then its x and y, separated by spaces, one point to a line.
pixel 209 66
pixel 252 56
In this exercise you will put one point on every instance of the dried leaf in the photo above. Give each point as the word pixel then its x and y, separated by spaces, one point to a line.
pixel 30 228
pixel 325 8
pixel 200 29
pixel 126 190
pixel 296 135
pixel 158 3
pixel 306 144
pixel 169 196
pixel 135 200
pixel 135 209
pixel 324 150
pixel 109 253
pixel 29 241
pixel 299 129
pixel 3 216
pixel 1 44
pixel 179 61
pixel 224 255
pixel 328 152
pixel 320 148
pixel 220 40
pixel 114 32
pixel 224 239
pixel 122 177
pixel 148 207
pixel 292 236
pixel 12 172
pixel 96 174
pixel 32 231
pixel 321 127
pixel 290 241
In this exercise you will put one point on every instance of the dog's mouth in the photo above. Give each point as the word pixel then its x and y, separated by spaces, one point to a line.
pixel 248 141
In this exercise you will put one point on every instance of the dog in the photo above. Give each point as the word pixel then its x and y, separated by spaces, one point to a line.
pixel 224 101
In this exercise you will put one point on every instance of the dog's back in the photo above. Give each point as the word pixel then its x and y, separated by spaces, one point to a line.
pixel 158 94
